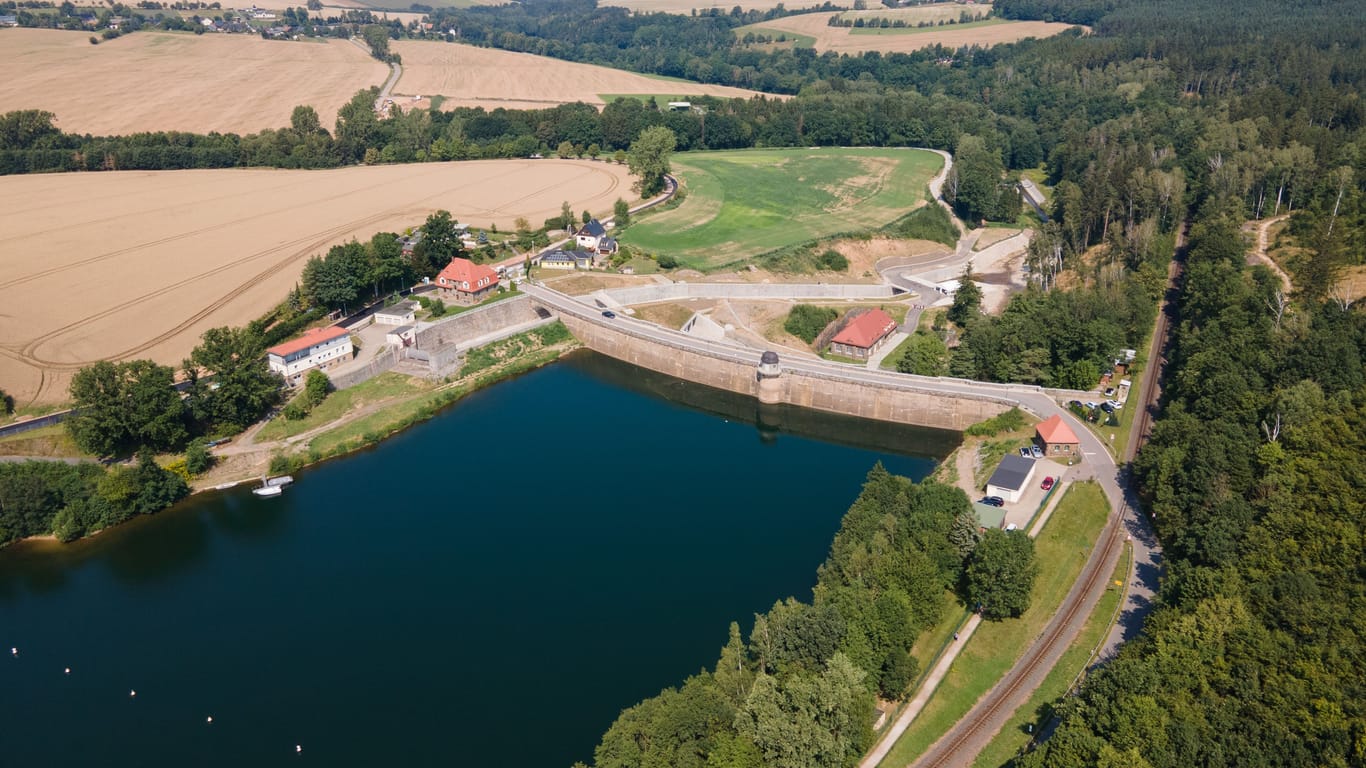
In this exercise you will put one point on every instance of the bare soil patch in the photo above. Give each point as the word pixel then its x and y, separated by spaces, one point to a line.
pixel 177 81
pixel 579 283
pixel 469 76
pixel 671 314
pixel 139 264
pixel 992 236
pixel 842 39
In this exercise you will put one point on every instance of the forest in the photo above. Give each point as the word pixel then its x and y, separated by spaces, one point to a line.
pixel 1168 116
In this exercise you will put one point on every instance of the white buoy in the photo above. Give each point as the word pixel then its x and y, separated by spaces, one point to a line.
pixel 298 748
pixel 131 694
pixel 209 719
pixel 14 651
pixel 67 670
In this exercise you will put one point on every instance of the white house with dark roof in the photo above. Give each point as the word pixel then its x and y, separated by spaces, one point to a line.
pixel 592 237
pixel 1011 477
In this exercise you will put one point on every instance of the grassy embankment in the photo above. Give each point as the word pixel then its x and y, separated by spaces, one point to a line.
pixel 768 205
pixel 483 366
pixel 1062 549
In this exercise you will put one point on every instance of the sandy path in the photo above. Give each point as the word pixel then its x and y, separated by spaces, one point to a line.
pixel 167 81
pixel 140 264
pixel 1258 254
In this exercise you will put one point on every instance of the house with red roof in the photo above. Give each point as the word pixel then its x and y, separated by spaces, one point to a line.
pixel 1057 438
pixel 318 348
pixel 863 335
pixel 466 282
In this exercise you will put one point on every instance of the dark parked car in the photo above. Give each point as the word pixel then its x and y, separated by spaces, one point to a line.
pixel 609 314
pixel 995 501
pixel 1107 407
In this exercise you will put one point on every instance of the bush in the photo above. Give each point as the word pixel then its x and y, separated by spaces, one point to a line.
pixel 930 222
pixel 6 403
pixel 833 261
pixel 197 457
pixel 437 307
pixel 316 388
pixel 806 321
pixel 667 262
pixel 294 411
pixel 1009 421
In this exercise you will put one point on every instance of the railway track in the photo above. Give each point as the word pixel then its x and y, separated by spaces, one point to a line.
pixel 955 748
pixel 961 745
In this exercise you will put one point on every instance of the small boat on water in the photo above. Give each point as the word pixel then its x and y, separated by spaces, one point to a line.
pixel 279 482
pixel 225 486
pixel 268 490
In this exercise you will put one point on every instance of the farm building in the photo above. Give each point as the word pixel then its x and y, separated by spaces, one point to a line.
pixel 402 313
pixel 466 282
pixel 861 338
pixel 318 348
pixel 1056 438
pixel 1011 477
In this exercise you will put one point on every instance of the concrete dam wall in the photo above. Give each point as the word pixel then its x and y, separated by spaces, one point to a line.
pixel 903 404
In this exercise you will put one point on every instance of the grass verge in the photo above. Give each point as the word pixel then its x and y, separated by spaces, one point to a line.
pixel 42 443
pixel 384 386
pixel 1035 712
pixel 1062 549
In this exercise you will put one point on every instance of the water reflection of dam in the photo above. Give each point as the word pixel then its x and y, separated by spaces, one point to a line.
pixel 771 421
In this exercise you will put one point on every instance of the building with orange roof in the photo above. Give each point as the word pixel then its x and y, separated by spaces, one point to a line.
pixel 862 336
pixel 466 282
pixel 318 348
pixel 1057 438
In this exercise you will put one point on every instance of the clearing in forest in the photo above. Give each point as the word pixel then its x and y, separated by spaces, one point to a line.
pixel 178 81
pixel 138 264
pixel 744 203
pixel 902 39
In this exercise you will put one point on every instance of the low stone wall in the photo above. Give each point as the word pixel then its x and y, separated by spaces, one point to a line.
pixel 470 325
pixel 826 393
pixel 646 294
pixel 383 361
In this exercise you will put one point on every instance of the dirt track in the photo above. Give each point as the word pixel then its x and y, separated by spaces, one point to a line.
pixel 139 264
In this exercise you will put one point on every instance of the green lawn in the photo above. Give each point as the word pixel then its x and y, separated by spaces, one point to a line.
pixel 796 39
pixel 919 30
pixel 1035 712
pixel 382 386
pixel 745 203
pixel 1062 550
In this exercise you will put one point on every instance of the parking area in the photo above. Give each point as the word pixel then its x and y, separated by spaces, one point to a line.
pixel 1020 512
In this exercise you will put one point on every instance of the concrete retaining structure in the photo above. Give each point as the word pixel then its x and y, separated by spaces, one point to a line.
pixel 483 321
pixel 646 294
pixel 906 405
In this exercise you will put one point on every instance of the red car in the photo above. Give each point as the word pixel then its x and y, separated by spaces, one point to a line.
pixel 1047 484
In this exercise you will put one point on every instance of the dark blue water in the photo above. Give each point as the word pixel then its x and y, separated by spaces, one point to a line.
pixel 486 589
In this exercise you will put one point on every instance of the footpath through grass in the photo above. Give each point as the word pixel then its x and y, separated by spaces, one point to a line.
pixel 1062 550
pixel 742 204
pixel 1013 736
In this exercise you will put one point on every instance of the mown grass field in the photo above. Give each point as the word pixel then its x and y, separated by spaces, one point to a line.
pixel 746 203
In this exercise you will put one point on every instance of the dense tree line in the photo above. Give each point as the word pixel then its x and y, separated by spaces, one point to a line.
pixel 1253 477
pixel 800 691
pixel 38 498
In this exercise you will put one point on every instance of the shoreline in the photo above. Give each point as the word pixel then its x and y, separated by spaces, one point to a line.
pixel 446 395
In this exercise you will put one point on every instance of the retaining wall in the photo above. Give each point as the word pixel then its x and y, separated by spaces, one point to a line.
pixel 826 393
pixel 650 293
pixel 470 325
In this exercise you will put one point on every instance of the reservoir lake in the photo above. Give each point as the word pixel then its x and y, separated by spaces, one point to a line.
pixel 489 588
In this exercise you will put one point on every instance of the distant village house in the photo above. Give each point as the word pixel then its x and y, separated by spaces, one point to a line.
pixel 592 237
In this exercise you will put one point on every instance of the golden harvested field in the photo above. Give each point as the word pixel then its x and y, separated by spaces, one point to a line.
pixel 164 81
pixel 850 40
pixel 139 264
pixel 469 76
pixel 918 13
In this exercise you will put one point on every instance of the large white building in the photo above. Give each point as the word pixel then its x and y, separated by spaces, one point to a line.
pixel 317 348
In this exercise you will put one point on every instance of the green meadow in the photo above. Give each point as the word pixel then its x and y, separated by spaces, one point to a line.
pixel 746 203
